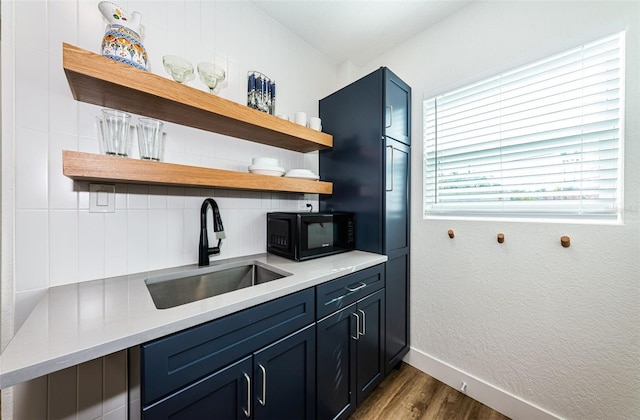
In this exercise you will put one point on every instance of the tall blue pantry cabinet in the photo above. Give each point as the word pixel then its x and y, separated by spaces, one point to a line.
pixel 369 165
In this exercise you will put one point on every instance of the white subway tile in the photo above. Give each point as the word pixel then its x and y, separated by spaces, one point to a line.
pixel 63 394
pixel 137 241
pixel 31 89
pixel 31 168
pixel 157 197
pixel 158 239
pixel 91 245
pixel 63 246
pixel 31 249
pixel 91 26
pixel 88 127
pixel 30 399
pixel 63 109
pixel 122 191
pixel 116 249
pixel 192 234
pixel 175 238
pixel 61 14
pixel 138 197
pixel 192 25
pixel 115 382
pixel 90 389
pixel 61 188
pixel 175 197
pixel 31 24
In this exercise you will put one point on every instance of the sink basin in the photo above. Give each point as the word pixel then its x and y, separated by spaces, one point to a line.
pixel 180 288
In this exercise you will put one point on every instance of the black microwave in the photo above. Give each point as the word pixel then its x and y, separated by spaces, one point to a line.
pixel 302 236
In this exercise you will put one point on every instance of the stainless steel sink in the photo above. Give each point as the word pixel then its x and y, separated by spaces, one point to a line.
pixel 177 289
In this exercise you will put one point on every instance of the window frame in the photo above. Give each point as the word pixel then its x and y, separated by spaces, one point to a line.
pixel 615 216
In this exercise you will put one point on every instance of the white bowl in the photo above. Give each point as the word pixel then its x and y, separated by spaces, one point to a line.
pixel 264 161
pixel 301 173
pixel 266 170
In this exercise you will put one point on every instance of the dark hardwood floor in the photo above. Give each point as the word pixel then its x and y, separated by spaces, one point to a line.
pixel 408 393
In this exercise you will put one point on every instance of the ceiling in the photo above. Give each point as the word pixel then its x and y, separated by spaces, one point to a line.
pixel 357 30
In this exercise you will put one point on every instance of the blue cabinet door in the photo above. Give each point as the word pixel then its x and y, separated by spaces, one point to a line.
pixel 223 395
pixel 336 364
pixel 370 365
pixel 284 378
pixel 397 108
pixel 350 357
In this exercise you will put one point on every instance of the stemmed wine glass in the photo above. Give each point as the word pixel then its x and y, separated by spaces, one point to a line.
pixel 180 69
pixel 211 75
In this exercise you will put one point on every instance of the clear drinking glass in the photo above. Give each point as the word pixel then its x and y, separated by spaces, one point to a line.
pixel 150 138
pixel 114 127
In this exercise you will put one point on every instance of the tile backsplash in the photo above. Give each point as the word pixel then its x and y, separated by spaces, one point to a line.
pixel 56 239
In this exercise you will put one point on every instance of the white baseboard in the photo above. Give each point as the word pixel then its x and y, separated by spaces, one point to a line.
pixel 501 401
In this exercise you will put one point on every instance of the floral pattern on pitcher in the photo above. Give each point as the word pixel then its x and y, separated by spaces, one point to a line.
pixel 121 41
pixel 123 45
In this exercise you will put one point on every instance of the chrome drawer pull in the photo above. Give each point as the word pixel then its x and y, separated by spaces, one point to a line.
pixel 357 337
pixel 247 412
pixel 355 289
pixel 364 323
pixel 263 401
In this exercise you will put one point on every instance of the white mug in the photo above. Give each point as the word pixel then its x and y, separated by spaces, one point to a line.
pixel 315 123
pixel 283 116
pixel 300 118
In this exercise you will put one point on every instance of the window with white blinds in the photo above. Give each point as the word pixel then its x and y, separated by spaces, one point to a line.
pixel 540 141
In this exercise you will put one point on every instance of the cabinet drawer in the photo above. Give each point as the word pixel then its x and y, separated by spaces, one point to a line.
pixel 182 358
pixel 338 293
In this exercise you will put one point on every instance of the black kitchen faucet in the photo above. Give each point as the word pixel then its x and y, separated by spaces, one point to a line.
pixel 203 247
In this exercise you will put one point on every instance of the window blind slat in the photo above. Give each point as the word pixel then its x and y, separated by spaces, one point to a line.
pixel 547 135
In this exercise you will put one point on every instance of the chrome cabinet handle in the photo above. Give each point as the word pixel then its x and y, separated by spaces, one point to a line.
pixel 364 323
pixel 247 412
pixel 357 337
pixel 263 401
pixel 362 285
pixel 390 116
pixel 391 147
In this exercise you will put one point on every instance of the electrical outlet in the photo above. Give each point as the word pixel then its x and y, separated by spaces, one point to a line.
pixel 305 204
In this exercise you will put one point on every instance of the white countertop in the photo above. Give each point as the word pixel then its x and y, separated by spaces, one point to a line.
pixel 76 323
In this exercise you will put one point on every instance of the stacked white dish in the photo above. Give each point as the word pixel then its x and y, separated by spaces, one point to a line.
pixel 266 166
pixel 301 173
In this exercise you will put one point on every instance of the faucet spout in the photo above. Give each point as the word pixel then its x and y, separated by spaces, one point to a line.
pixel 203 247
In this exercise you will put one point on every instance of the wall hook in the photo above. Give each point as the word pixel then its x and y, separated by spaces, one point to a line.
pixel 451 234
pixel 565 241
pixel 500 238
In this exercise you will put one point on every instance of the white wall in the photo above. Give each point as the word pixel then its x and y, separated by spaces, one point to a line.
pixel 526 320
pixel 48 236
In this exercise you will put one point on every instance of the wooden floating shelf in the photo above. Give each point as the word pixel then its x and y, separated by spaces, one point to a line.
pixel 91 167
pixel 101 81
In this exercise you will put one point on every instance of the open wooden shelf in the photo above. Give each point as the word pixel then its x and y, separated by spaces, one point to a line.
pixel 91 167
pixel 101 81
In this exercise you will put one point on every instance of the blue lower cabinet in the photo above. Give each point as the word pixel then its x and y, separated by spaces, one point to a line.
pixel 350 356
pixel 285 378
pixel 313 354
pixel 276 382
pixel 221 395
